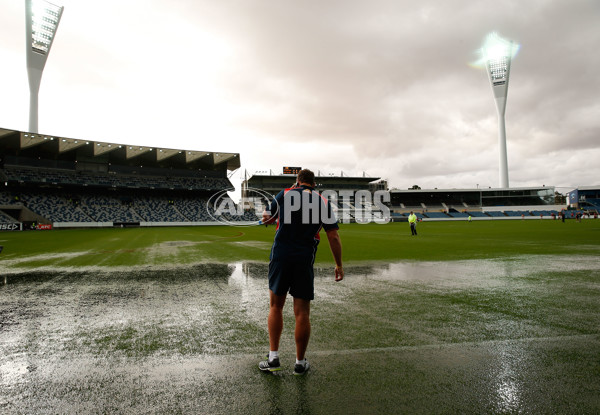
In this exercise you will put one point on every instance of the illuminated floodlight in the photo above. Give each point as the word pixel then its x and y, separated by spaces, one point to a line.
pixel 497 54
pixel 44 22
pixel 41 21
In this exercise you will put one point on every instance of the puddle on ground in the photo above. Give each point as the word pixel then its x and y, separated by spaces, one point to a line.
pixel 101 336
pixel 473 272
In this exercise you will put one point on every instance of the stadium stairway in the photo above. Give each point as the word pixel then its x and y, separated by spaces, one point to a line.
pixel 6 218
pixel 180 213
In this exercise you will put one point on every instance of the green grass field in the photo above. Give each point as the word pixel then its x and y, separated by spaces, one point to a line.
pixel 437 241
pixel 482 317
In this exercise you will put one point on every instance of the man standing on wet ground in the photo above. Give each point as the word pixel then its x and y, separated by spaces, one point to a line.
pixel 300 213
pixel 412 219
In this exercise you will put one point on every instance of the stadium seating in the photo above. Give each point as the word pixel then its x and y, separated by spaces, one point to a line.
pixel 516 213
pixel 124 194
pixel 107 209
pixel 60 192
pixel 593 203
pixel 6 198
pixel 86 204
pixel 118 208
pixel 158 209
pixel 434 215
pixel 193 210
pixel 496 214
pixel 112 180
pixel 54 208
pixel 477 214
pixel 541 213
pixel 458 214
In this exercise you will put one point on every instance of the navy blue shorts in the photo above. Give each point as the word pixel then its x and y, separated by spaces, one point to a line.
pixel 296 277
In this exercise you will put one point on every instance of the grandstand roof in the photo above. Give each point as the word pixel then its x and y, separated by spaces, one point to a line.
pixel 597 187
pixel 287 177
pixel 280 181
pixel 483 190
pixel 24 144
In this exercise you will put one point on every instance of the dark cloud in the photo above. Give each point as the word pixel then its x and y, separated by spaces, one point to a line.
pixel 393 80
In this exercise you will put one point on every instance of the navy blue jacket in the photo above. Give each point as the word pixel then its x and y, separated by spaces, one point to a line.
pixel 301 213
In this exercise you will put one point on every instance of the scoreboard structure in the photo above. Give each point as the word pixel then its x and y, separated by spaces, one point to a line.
pixel 291 170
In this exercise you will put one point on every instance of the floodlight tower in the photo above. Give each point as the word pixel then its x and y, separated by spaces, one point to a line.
pixel 42 19
pixel 497 54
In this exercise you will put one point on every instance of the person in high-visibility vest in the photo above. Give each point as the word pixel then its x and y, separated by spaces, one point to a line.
pixel 412 219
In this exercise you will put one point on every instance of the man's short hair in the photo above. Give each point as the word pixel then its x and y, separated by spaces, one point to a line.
pixel 306 176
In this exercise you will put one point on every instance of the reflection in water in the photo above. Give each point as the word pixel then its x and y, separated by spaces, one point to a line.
pixel 249 282
pixel 509 389
pixel 482 273
pixel 282 400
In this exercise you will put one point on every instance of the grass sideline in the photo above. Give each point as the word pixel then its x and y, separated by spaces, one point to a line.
pixel 437 241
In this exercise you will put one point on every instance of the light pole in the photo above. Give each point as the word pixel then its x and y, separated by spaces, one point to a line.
pixel 41 20
pixel 497 53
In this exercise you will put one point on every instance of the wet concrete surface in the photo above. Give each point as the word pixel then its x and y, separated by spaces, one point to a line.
pixel 498 336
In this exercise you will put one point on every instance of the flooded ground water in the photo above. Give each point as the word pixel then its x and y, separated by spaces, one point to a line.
pixel 492 336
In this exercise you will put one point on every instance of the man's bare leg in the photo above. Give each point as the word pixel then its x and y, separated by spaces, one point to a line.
pixel 275 320
pixel 302 331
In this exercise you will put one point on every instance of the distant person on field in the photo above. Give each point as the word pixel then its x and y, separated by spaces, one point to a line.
pixel 292 258
pixel 412 219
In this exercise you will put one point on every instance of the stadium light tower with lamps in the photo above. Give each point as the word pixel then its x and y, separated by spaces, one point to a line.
pixel 497 54
pixel 42 19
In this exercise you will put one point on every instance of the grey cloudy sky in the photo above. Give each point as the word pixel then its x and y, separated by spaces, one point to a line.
pixel 385 87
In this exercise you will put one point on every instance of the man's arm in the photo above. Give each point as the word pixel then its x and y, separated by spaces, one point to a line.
pixel 335 243
pixel 271 213
pixel 267 219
